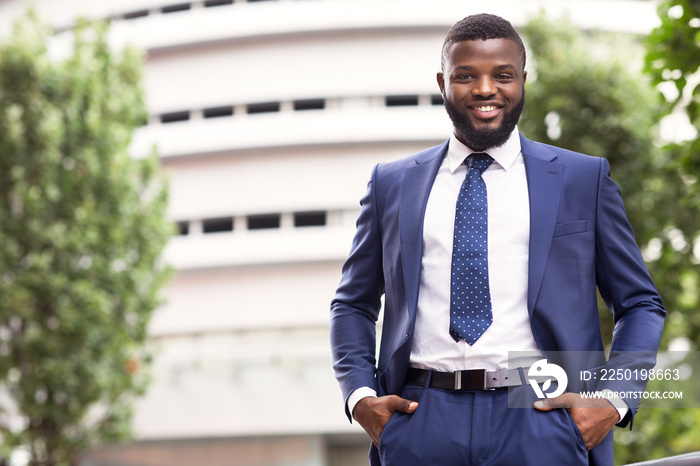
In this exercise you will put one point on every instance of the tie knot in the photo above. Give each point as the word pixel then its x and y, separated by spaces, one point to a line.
pixel 480 161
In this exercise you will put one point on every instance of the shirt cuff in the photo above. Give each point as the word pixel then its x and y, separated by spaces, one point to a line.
pixel 616 401
pixel 357 395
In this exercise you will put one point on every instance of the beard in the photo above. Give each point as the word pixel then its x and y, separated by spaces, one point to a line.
pixel 482 139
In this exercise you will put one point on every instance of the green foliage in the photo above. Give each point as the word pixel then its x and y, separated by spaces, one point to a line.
pixel 673 59
pixel 601 105
pixel 672 54
pixel 587 93
pixel 82 228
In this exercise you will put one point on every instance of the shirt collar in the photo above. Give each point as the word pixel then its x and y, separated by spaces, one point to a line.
pixel 504 155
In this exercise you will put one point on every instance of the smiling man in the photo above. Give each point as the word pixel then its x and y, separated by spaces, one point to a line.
pixel 487 250
pixel 482 84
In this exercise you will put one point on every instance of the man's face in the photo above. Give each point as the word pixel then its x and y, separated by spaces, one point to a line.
pixel 483 87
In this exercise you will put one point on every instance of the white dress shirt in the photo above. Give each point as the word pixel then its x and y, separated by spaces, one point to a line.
pixel 508 252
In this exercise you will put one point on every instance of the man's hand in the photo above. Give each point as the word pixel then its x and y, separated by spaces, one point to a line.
pixel 594 417
pixel 374 412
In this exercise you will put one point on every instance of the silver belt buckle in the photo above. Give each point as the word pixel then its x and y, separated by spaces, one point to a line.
pixel 458 380
pixel 476 379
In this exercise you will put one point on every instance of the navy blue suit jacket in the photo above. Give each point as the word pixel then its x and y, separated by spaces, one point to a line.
pixel 580 239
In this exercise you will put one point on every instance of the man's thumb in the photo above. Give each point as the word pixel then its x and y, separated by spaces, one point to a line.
pixel 544 405
pixel 406 406
pixel 547 404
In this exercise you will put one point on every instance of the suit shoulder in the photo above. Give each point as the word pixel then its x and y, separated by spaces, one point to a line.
pixel 385 169
pixel 576 161
pixel 569 156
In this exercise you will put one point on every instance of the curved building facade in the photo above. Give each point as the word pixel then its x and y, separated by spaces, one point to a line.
pixel 268 117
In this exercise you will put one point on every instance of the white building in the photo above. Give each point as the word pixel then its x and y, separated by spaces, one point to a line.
pixel 268 116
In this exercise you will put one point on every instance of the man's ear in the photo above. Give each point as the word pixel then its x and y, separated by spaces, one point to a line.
pixel 441 83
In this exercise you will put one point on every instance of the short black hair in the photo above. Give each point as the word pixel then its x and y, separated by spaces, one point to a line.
pixel 482 26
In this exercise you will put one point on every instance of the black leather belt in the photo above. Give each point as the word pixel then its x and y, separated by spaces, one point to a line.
pixel 474 379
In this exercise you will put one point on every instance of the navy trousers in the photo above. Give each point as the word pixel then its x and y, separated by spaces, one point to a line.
pixel 478 427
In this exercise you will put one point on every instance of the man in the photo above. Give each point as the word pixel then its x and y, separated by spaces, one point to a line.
pixel 484 245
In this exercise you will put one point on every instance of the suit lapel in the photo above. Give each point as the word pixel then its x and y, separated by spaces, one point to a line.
pixel 415 190
pixel 544 180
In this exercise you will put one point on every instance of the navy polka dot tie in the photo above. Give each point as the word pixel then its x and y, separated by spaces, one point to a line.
pixel 470 304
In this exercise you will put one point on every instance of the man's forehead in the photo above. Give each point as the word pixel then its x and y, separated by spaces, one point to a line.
pixel 505 50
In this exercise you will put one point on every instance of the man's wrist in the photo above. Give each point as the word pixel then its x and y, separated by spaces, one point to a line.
pixel 357 395
pixel 616 401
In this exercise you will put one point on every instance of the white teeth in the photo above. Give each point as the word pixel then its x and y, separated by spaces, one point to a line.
pixel 489 108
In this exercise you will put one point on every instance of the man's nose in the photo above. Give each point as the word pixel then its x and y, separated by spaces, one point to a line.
pixel 484 87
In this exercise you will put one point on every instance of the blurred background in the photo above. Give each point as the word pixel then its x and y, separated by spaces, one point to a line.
pixel 267 117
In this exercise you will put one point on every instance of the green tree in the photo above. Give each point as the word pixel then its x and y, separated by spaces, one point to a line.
pixel 672 60
pixel 587 92
pixel 82 229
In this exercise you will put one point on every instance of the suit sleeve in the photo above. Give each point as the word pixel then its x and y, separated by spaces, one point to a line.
pixel 628 290
pixel 355 307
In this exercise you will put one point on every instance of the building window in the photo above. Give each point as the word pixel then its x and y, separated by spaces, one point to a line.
pixel 309 219
pixel 135 14
pixel 217 112
pixel 183 228
pixel 174 117
pixel 436 99
pixel 309 104
pixel 263 222
pixel 264 107
pixel 175 8
pixel 401 100
pixel 210 3
pixel 217 225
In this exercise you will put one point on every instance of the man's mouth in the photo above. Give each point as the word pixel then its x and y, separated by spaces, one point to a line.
pixel 486 108
pixel 486 112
